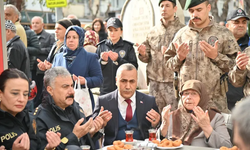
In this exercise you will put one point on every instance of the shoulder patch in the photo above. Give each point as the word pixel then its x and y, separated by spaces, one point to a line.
pixel 212 40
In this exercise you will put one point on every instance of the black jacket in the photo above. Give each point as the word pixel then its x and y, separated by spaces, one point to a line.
pixel 235 94
pixel 11 127
pixel 32 46
pixel 18 56
pixel 52 53
pixel 126 54
pixel 49 117
pixel 46 41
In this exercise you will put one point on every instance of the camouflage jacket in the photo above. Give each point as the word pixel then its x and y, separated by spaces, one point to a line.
pixel 159 36
pixel 199 67
pixel 239 77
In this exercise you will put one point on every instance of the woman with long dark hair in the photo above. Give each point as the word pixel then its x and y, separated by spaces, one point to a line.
pixel 99 28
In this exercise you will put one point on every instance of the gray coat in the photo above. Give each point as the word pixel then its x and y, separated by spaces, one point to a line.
pixel 218 138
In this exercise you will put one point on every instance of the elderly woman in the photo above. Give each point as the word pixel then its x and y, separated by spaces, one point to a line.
pixel 194 122
pixel 82 64
pixel 90 41
pixel 16 131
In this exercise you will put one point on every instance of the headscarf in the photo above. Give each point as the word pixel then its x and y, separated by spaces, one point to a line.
pixel 184 126
pixel 69 54
pixel 91 38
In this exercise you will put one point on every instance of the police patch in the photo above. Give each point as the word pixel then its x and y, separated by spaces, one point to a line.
pixel 122 53
pixel 212 40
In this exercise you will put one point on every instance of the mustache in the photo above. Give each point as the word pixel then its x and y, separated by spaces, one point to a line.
pixel 196 18
pixel 70 96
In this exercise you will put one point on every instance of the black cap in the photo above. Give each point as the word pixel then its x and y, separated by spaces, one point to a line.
pixel 236 14
pixel 192 3
pixel 65 23
pixel 173 1
pixel 114 22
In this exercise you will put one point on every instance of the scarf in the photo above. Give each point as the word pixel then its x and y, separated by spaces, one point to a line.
pixel 184 126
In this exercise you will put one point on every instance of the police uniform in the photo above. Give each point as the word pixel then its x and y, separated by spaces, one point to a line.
pixel 50 117
pixel 126 54
pixel 198 66
pixel 12 127
pixel 159 76
pixel 235 94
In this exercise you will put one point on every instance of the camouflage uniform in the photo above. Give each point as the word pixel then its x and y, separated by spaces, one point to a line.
pixel 160 77
pixel 239 77
pixel 199 67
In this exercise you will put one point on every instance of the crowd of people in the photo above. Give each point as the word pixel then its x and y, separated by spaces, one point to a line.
pixel 197 73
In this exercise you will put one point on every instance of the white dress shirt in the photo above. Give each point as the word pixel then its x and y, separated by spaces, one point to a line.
pixel 122 105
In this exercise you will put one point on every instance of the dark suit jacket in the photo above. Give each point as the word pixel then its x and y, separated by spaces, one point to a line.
pixel 144 103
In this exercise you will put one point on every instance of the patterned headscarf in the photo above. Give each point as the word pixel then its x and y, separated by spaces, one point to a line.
pixel 184 126
pixel 91 38
pixel 10 25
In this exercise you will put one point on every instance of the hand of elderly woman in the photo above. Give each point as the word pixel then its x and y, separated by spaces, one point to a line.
pixel 203 120
pixel 82 79
pixel 54 139
pixel 165 114
pixel 22 142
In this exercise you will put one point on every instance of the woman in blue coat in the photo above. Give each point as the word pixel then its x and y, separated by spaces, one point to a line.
pixel 80 63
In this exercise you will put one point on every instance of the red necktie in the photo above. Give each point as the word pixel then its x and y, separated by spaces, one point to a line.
pixel 129 110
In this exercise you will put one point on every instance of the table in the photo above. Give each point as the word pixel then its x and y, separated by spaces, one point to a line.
pixel 185 147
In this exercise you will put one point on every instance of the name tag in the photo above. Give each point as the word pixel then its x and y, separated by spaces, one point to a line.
pixel 8 136
pixel 55 129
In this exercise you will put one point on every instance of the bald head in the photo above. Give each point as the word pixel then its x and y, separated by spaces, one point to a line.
pixel 37 24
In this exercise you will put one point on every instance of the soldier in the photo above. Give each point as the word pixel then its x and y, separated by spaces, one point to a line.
pixel 113 52
pixel 237 24
pixel 204 51
pixel 151 51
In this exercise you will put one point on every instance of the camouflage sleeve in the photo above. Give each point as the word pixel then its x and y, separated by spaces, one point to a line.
pixel 225 59
pixel 170 57
pixel 237 77
pixel 147 57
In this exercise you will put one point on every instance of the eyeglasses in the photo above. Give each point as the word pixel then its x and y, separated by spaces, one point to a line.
pixel 191 93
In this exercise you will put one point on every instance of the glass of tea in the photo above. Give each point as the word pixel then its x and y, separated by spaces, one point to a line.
pixel 129 135
pixel 152 134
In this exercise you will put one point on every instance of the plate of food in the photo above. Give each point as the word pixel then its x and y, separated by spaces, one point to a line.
pixel 118 145
pixel 168 144
pixel 170 147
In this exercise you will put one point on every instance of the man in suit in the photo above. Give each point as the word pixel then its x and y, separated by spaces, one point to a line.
pixel 131 110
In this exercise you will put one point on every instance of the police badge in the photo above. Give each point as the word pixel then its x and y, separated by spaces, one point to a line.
pixel 212 40
pixel 122 53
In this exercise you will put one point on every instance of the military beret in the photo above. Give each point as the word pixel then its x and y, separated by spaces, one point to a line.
pixel 10 25
pixel 236 14
pixel 114 22
pixel 192 3
pixel 173 1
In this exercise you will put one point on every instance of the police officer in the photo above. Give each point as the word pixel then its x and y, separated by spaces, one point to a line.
pixel 204 51
pixel 152 50
pixel 16 132
pixel 237 24
pixel 59 113
pixel 112 53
